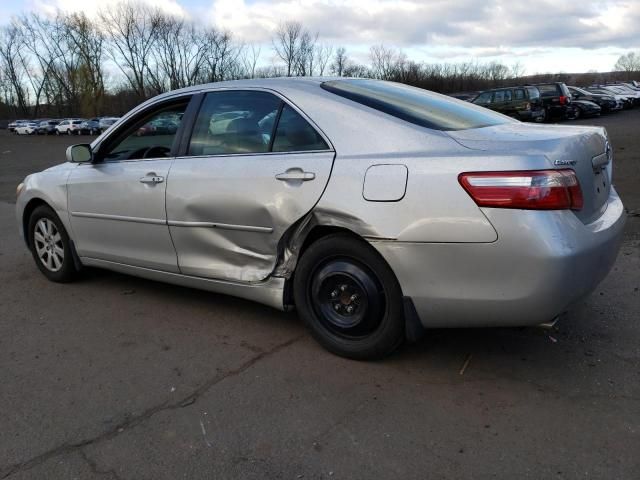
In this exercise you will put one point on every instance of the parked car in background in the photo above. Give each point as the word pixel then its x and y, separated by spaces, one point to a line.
pixel 623 99
pixel 375 208
pixel 607 103
pixel 47 127
pixel 26 128
pixel 522 103
pixel 90 127
pixel 13 125
pixel 583 108
pixel 632 93
pixel 105 122
pixel 555 98
pixel 70 126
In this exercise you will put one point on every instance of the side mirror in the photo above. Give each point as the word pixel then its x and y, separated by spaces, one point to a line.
pixel 80 153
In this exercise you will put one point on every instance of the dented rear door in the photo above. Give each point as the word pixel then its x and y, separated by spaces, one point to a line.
pixel 227 210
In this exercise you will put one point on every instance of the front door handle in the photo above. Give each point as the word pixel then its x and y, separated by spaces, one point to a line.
pixel 152 178
pixel 296 174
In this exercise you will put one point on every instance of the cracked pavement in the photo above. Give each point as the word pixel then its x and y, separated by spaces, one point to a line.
pixel 115 377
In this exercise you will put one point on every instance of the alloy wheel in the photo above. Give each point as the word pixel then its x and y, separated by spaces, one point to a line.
pixel 48 244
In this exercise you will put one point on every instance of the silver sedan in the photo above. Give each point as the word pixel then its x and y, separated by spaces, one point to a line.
pixel 376 209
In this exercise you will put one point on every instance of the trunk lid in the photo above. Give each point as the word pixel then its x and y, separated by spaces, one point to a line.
pixel 584 149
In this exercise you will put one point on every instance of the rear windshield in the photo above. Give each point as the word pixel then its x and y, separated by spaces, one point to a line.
pixel 550 90
pixel 415 105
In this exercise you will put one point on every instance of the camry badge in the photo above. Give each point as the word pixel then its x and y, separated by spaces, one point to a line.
pixel 564 162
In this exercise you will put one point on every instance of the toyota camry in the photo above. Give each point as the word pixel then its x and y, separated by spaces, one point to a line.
pixel 375 209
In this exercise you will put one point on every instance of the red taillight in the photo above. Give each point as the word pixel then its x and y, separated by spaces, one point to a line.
pixel 563 99
pixel 529 189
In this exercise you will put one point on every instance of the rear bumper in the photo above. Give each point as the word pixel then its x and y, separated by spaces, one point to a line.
pixel 541 263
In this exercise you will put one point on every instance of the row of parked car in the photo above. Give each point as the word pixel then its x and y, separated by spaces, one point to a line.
pixel 557 101
pixel 67 126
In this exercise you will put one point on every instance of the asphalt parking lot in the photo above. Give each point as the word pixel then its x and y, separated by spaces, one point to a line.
pixel 115 377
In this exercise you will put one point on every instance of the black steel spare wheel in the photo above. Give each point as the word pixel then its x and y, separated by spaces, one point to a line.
pixel 349 297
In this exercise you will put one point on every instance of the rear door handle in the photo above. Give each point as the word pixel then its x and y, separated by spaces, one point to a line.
pixel 152 178
pixel 296 174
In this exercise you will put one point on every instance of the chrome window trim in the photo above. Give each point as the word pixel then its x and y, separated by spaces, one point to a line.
pixel 222 155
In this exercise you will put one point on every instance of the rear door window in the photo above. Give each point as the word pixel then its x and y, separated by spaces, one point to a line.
pixel 250 122
pixel 519 94
pixel 233 122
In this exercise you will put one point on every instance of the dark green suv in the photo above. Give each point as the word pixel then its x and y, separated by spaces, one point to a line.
pixel 523 103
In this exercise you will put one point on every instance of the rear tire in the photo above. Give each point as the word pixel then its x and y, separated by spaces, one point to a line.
pixel 50 245
pixel 349 298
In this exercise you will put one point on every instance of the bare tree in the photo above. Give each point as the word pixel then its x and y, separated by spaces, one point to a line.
pixel 339 62
pixel 286 44
pixel 132 31
pixel 250 59
pixel 179 54
pixel 295 46
pixel 323 54
pixel 12 68
pixel 383 61
pixel 628 63
pixel 88 42
pixel 223 57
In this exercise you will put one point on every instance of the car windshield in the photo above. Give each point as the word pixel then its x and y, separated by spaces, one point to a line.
pixel 415 105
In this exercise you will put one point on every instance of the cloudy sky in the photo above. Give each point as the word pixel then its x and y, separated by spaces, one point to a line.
pixel 543 35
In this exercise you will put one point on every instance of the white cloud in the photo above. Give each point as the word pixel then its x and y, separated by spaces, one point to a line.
pixel 92 7
pixel 465 23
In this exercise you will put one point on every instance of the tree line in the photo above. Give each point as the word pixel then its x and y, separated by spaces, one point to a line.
pixel 73 65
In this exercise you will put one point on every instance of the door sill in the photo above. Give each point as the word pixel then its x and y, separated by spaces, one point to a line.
pixel 268 292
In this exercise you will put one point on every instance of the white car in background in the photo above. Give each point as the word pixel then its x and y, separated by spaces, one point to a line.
pixel 70 126
pixel 28 128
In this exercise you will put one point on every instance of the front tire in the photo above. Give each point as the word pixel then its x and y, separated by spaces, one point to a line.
pixel 349 298
pixel 50 245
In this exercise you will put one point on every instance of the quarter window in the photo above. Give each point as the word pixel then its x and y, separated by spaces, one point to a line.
pixel 294 134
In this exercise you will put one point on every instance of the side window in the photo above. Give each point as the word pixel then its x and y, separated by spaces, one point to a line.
pixel 294 134
pixel 534 93
pixel 483 98
pixel 234 122
pixel 519 94
pixel 498 96
pixel 151 135
pixel 507 95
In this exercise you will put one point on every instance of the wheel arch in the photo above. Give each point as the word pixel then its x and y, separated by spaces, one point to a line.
pixel 26 215
pixel 310 232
